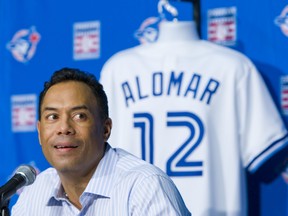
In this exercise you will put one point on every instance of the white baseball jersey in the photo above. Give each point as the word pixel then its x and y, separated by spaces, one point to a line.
pixel 199 111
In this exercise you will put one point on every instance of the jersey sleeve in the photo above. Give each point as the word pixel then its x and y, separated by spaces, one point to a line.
pixel 262 130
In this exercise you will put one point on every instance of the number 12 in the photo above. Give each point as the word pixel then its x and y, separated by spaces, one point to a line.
pixel 177 164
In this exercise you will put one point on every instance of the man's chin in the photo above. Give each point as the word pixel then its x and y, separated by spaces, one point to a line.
pixel 66 168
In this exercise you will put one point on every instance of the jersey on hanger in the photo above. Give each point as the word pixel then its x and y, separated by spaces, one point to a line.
pixel 199 111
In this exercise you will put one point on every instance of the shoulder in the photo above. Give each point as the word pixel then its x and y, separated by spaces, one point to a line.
pixel 224 53
pixel 44 184
pixel 134 167
pixel 151 191
pixel 123 55
pixel 49 176
pixel 37 193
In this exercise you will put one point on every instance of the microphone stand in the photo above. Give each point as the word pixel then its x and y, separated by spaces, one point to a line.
pixel 5 208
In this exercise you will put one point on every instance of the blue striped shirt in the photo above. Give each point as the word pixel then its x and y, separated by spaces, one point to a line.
pixel 121 185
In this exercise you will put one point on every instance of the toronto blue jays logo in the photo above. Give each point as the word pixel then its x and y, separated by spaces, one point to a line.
pixel 148 30
pixel 282 21
pixel 23 44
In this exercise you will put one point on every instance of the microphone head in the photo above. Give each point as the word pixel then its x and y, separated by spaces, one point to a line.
pixel 28 172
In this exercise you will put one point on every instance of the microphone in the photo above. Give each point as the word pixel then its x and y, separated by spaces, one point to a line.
pixel 24 175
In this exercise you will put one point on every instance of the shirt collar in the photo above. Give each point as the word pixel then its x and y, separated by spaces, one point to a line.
pixel 100 184
pixel 102 181
pixel 57 192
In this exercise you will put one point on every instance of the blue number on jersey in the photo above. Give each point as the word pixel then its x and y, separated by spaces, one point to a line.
pixel 177 164
pixel 144 120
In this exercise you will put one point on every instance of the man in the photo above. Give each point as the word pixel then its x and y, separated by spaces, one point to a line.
pixel 89 177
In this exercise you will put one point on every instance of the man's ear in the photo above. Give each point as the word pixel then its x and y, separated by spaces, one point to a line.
pixel 107 129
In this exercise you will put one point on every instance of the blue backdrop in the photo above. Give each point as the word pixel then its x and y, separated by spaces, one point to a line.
pixel 39 37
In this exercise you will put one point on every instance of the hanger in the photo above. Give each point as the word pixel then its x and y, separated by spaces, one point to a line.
pixel 174 12
pixel 169 8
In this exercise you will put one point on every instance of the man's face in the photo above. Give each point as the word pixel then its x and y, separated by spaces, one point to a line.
pixel 71 131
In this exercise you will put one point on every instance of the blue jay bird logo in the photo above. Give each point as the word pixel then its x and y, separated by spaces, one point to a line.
pixel 23 44
pixel 282 21
pixel 148 30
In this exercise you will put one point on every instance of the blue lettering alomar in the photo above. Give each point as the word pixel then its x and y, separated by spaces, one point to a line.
pixel 197 88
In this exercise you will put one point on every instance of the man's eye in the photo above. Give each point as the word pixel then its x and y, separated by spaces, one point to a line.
pixel 51 117
pixel 80 116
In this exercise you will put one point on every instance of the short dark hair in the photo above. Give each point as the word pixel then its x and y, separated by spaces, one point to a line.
pixel 72 74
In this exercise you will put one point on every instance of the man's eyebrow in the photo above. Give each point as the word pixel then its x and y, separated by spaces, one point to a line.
pixel 73 108
pixel 49 109
pixel 79 107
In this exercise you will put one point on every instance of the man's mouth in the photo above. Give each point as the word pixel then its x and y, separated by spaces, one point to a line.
pixel 64 147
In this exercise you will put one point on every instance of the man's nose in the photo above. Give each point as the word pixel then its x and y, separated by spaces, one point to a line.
pixel 65 127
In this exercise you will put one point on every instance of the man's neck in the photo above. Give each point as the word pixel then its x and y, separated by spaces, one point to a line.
pixel 74 184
